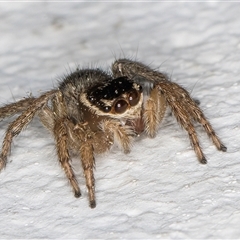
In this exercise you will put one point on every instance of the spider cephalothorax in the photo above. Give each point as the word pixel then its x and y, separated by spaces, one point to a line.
pixel 92 110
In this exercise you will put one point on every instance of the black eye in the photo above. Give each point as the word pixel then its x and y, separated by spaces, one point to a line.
pixel 106 109
pixel 133 98
pixel 120 106
pixel 91 98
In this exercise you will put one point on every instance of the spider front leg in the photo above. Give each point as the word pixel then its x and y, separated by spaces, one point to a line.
pixel 61 130
pixel 60 133
pixel 87 143
pixel 86 151
pixel 75 136
pixel 99 142
pixel 61 138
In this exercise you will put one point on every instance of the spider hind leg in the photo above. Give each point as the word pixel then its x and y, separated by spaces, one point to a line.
pixel 22 121
pixel 186 111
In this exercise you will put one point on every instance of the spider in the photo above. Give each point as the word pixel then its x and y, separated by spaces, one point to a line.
pixel 91 110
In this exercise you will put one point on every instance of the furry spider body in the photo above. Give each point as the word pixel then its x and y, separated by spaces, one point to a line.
pixel 91 110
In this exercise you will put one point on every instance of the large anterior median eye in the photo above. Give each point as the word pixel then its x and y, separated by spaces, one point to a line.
pixel 133 97
pixel 120 106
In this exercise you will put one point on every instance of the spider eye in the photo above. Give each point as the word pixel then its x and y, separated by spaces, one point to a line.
pixel 133 98
pixel 120 106
pixel 106 109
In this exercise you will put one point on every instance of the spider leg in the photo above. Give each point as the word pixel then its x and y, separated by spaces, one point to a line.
pixel 47 118
pixel 185 121
pixel 89 142
pixel 186 110
pixel 88 162
pixel 199 117
pixel 20 122
pixel 16 107
pixel 87 158
pixel 61 137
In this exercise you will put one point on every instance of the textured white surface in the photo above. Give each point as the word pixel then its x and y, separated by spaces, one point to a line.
pixel 159 190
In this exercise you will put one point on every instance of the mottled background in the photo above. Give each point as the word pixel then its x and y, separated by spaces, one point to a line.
pixel 159 190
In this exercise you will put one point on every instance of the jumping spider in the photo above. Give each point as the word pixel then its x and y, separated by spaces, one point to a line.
pixel 91 110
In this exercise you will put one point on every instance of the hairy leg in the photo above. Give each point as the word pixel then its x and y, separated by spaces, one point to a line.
pixel 182 104
pixel 61 138
pixel 16 107
pixel 19 123
pixel 86 152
